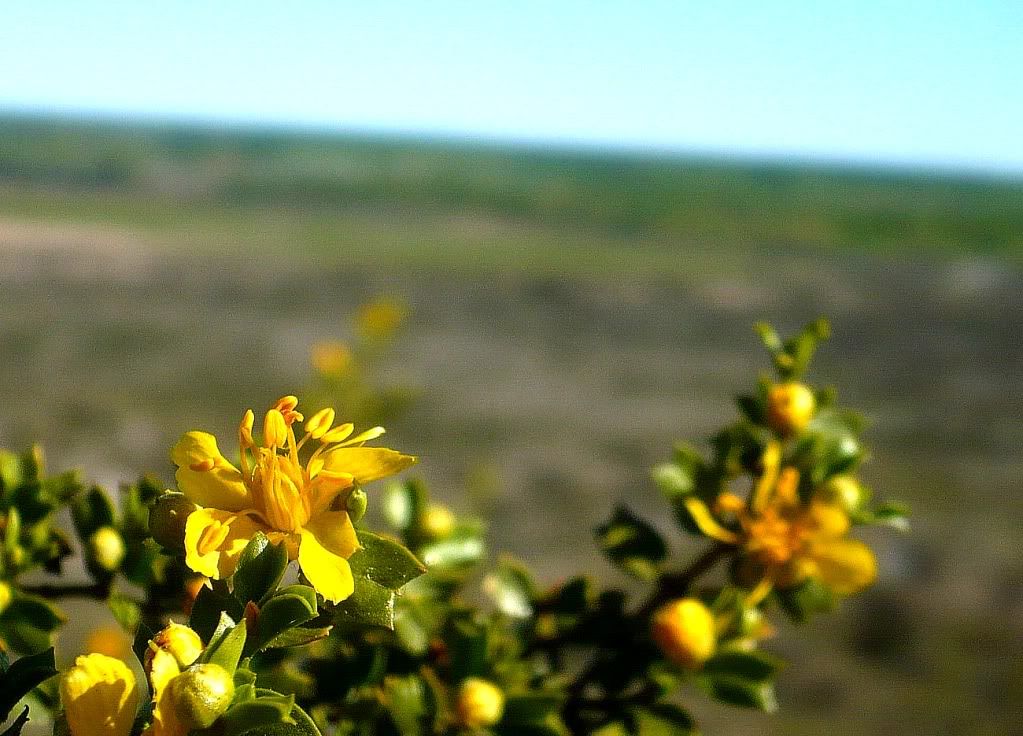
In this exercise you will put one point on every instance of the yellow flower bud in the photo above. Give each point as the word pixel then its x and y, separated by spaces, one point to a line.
pixel 100 696
pixel 6 596
pixel 437 522
pixel 106 548
pixel 167 519
pixel 480 703
pixel 179 641
pixel 684 631
pixel 200 695
pixel 790 407
pixel 843 491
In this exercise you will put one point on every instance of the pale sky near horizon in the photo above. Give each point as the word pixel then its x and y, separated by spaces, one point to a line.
pixel 933 84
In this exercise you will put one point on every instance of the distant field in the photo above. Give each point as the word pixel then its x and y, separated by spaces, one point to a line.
pixel 469 206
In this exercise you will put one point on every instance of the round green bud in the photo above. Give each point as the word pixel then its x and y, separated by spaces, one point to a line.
pixel 106 548
pixel 356 504
pixel 201 694
pixel 167 520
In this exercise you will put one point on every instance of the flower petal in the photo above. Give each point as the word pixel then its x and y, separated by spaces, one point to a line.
pixel 329 573
pixel 214 539
pixel 334 530
pixel 366 463
pixel 205 476
pixel 844 565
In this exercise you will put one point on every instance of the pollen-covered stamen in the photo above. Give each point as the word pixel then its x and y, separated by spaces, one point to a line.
pixel 275 430
pixel 213 536
pixel 319 423
pixel 286 404
pixel 246 442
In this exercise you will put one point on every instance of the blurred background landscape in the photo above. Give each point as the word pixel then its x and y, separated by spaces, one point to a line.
pixel 574 308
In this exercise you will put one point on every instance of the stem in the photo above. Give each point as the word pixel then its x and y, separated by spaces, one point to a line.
pixel 671 585
pixel 99 591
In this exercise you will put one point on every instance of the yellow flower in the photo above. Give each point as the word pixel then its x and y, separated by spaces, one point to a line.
pixel 685 632
pixel 790 407
pixel 100 696
pixel 275 492
pixel 783 540
pixel 480 703
pixel 331 358
pixel 379 319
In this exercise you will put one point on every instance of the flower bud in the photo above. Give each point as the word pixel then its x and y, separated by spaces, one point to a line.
pixel 843 491
pixel 182 643
pixel 100 697
pixel 106 548
pixel 437 522
pixel 790 407
pixel 6 596
pixel 167 520
pixel 201 694
pixel 684 630
pixel 356 505
pixel 480 703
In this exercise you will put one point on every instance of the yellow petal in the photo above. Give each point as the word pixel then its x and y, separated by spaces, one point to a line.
pixel 366 463
pixel 335 532
pixel 844 565
pixel 205 476
pixel 706 522
pixel 100 696
pixel 214 539
pixel 329 573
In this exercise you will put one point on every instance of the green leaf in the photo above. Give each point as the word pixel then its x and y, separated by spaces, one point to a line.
pixel 467 643
pixel 126 611
pixel 226 646
pixel 738 691
pixel 279 614
pixel 369 605
pixel 664 718
pixel 534 708
pixel 34 610
pixel 754 666
pixel 512 588
pixel 384 561
pixel 303 726
pixel 260 712
pixel 632 544
pixel 208 607
pixel 16 727
pixel 404 504
pixel 90 511
pixel 462 549
pixel 406 700
pixel 297 637
pixel 21 677
pixel 806 599
pixel 260 569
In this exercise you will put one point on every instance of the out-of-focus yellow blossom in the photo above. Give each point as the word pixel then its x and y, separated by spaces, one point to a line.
pixel 109 640
pixel 380 318
pixel 685 631
pixel 100 696
pixel 276 492
pixel 6 596
pixel 790 407
pixel 437 522
pixel 106 546
pixel 331 358
pixel 783 540
pixel 480 703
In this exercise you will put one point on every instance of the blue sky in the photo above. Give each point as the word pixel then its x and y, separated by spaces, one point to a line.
pixel 932 83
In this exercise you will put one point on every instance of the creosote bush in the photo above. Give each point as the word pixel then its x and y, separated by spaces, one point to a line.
pixel 260 602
